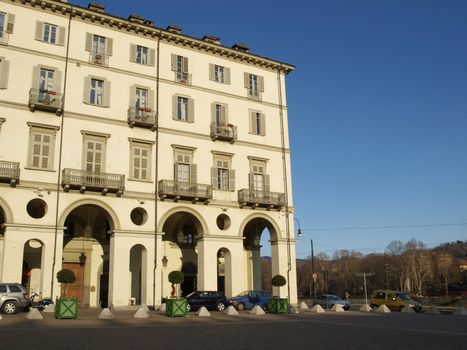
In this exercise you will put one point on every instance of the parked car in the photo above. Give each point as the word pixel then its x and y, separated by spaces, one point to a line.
pixel 211 300
pixel 249 299
pixel 13 296
pixel 327 301
pixel 394 300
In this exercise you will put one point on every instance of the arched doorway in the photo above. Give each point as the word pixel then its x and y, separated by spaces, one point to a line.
pixel 138 269
pixel 224 271
pixel 179 247
pixel 86 245
pixel 260 268
pixel 32 265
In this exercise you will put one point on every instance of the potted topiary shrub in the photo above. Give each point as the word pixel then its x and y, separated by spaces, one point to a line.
pixel 66 307
pixel 175 305
pixel 278 305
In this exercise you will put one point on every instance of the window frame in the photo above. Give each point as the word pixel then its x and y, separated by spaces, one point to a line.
pixel 142 145
pixel 44 29
pixel 43 130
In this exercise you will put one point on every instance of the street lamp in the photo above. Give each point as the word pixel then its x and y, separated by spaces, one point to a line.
pixel 299 234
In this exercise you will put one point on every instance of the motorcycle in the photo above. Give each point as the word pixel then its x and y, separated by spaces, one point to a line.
pixel 39 304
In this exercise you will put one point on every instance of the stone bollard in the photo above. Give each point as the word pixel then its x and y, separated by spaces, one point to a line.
pixel 231 311
pixel 303 306
pixel 203 312
pixel 365 308
pixel 337 308
pixel 141 313
pixel 50 308
pixel 317 309
pixel 407 310
pixel 106 314
pixel 383 309
pixel 34 314
pixel 257 310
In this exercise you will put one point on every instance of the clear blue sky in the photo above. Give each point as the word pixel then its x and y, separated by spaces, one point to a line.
pixel 377 108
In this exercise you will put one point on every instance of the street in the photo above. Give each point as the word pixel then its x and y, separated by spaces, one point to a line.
pixel 350 330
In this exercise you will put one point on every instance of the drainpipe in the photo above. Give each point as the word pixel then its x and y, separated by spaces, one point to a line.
pixel 284 174
pixel 60 154
pixel 156 173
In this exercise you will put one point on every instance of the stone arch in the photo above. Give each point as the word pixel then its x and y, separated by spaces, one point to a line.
pixel 188 210
pixel 33 259
pixel 272 226
pixel 114 222
pixel 6 211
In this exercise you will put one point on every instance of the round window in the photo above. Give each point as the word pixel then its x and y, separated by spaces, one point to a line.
pixel 37 208
pixel 223 222
pixel 139 216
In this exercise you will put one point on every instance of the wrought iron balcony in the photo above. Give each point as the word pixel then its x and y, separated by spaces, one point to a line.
pixel 226 132
pixel 9 172
pixel 4 38
pixel 46 100
pixel 185 191
pixel 99 58
pixel 143 117
pixel 93 181
pixel 270 200
pixel 182 77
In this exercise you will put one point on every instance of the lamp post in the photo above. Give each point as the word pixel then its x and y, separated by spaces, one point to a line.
pixel 312 283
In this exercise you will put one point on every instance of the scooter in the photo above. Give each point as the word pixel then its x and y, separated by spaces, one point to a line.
pixel 39 304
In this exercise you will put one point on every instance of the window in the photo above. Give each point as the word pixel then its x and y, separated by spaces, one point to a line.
pixel 180 67
pixel 183 108
pixel 41 146
pixel 4 71
pixel 257 123
pixel 219 74
pixel 46 84
pixel 141 55
pixel 184 169
pixel 254 84
pixel 98 44
pixel 140 152
pixel 141 102
pixel 94 151
pixel 223 177
pixel 259 180
pixel 7 22
pixel 99 47
pixel 96 92
pixel 50 33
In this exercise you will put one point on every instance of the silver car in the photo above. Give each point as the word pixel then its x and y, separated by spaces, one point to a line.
pixel 13 296
pixel 327 301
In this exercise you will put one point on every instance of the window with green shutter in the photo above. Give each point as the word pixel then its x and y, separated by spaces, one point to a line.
pixel 41 146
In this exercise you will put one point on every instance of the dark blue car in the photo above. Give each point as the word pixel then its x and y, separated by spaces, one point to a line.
pixel 249 298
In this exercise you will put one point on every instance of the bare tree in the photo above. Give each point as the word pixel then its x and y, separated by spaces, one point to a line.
pixel 418 264
pixel 444 262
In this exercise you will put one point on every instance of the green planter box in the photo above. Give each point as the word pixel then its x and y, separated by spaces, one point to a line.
pixel 66 308
pixel 278 306
pixel 176 307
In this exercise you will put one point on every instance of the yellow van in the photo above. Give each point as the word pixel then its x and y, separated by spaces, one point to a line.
pixel 394 300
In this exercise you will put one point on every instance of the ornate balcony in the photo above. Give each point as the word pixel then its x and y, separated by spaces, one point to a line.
pixel 45 100
pixel 269 200
pixel 9 172
pixel 142 117
pixel 93 181
pixel 225 132
pixel 185 191
pixel 99 58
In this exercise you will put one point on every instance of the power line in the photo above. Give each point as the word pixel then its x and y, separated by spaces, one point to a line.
pixel 382 227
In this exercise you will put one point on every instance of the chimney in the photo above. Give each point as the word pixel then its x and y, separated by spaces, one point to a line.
pixel 174 29
pixel 212 39
pixel 148 22
pixel 96 7
pixel 136 19
pixel 241 47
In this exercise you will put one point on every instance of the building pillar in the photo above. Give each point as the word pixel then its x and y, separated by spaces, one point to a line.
pixel 256 266
pixel 119 272
pixel 13 252
pixel 280 265
pixel 207 265
pixel 156 277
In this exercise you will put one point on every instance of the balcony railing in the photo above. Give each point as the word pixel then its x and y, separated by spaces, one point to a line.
pixel 4 38
pixel 185 191
pixel 93 181
pixel 265 199
pixel 9 172
pixel 99 58
pixel 226 132
pixel 143 117
pixel 182 77
pixel 45 100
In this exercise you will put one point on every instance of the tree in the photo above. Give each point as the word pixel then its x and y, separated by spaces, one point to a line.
pixel 418 264
pixel 444 262
pixel 66 276
pixel 175 277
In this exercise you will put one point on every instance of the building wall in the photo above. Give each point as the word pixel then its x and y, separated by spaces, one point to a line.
pixel 24 52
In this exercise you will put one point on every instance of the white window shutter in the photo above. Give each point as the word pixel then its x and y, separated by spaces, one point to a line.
pixel 108 46
pixel 61 36
pixel 58 81
pixel 262 124
pixel 174 107
pixel 193 173
pixel 267 186
pixel 4 71
pixel 173 61
pixel 132 53
pixel 232 180
pixel 10 23
pixel 185 65
pixel 252 122
pixel 211 71
pixel 261 83
pixel 224 117
pixel 191 110
pixel 88 45
pixel 226 75
pixel 214 177
pixel 39 31
pixel 35 77
pixel 152 57
pixel 251 181
pixel 106 101
pixel 151 100
pixel 246 80
pixel 86 90
pixel 213 112
pixel 132 96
